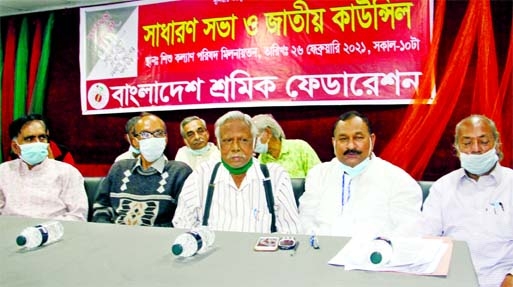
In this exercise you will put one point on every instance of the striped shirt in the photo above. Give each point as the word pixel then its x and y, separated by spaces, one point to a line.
pixel 238 209
pixel 478 212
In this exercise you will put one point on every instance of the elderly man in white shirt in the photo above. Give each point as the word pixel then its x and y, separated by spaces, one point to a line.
pixel 475 203
pixel 238 200
pixel 197 148
pixel 357 193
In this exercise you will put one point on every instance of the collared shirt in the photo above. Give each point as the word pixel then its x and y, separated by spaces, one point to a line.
pixel 297 157
pixel 379 200
pixel 185 155
pixel 478 212
pixel 233 208
pixel 51 189
pixel 157 165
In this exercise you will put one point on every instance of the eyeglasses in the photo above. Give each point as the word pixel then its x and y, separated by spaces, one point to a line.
pixel 155 134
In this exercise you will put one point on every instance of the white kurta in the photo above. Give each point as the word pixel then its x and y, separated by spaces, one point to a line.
pixel 377 201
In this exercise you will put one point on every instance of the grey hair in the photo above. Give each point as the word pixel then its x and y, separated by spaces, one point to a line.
pixel 263 121
pixel 187 120
pixel 484 119
pixel 130 124
pixel 234 115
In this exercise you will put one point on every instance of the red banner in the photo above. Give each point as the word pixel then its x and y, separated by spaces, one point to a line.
pixel 143 56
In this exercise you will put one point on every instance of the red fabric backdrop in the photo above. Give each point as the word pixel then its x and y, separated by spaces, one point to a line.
pixel 471 58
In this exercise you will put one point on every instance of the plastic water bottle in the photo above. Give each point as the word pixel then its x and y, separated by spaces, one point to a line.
pixel 198 240
pixel 39 235
pixel 380 251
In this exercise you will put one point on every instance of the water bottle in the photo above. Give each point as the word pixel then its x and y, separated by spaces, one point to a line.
pixel 39 235
pixel 380 251
pixel 195 241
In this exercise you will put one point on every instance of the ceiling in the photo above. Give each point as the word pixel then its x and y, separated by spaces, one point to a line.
pixel 14 7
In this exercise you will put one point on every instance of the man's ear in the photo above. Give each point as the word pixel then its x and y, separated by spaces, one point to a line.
pixel 134 142
pixel 15 147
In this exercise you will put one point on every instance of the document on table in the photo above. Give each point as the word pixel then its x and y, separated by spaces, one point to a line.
pixel 423 256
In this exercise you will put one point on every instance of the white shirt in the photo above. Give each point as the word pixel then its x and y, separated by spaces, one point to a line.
pixel 51 189
pixel 242 209
pixel 376 202
pixel 480 213
pixel 185 155
pixel 126 155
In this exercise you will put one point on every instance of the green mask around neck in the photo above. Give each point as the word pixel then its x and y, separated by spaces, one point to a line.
pixel 238 170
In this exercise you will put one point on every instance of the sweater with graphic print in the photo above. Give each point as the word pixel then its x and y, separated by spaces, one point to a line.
pixel 133 196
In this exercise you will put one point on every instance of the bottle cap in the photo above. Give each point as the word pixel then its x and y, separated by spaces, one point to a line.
pixel 21 240
pixel 376 257
pixel 177 249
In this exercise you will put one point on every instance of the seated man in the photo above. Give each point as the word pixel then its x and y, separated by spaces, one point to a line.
pixel 197 148
pixel 357 192
pixel 241 197
pixel 475 203
pixel 142 191
pixel 295 155
pixel 34 185
pixel 132 152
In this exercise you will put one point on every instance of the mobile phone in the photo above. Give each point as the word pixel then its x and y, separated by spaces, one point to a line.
pixel 267 243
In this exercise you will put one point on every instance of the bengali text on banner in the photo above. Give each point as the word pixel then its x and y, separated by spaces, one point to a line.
pixel 175 55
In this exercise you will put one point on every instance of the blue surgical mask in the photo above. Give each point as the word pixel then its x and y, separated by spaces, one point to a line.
pixel 355 171
pixel 479 164
pixel 133 150
pixel 261 147
pixel 34 153
pixel 152 148
pixel 199 152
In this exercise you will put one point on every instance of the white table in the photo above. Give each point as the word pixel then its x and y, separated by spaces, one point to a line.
pixel 93 254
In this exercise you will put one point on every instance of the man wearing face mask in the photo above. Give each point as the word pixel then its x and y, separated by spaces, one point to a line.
pixel 357 192
pixel 34 185
pixel 237 193
pixel 132 152
pixel 142 191
pixel 295 155
pixel 475 203
pixel 197 148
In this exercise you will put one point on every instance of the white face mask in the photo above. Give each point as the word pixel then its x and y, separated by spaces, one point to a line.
pixel 261 147
pixel 479 164
pixel 152 149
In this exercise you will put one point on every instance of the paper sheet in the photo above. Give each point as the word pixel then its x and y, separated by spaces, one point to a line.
pixel 421 256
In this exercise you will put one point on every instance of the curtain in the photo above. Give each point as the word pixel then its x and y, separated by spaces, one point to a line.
pixel 426 123
pixel 20 71
pixel 23 83
pixel 34 63
pixel 7 86
pixel 38 96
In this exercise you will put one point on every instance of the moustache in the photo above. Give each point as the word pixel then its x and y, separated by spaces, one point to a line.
pixel 352 151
